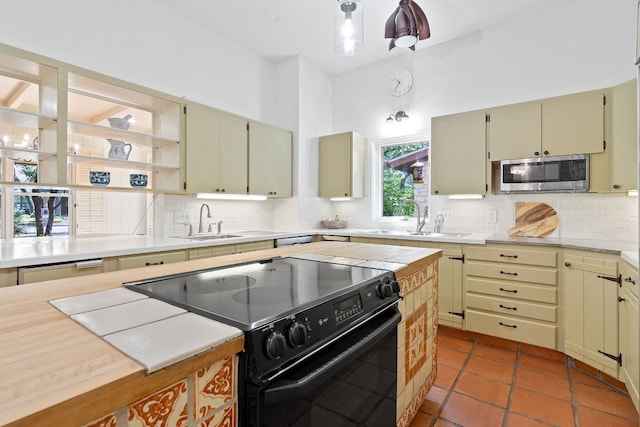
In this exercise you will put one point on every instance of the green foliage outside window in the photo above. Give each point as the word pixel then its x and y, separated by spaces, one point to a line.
pixel 397 184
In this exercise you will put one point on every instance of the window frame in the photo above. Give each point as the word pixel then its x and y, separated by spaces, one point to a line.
pixel 377 176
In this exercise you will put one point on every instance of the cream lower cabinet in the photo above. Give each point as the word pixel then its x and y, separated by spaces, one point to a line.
pixel 41 273
pixel 8 277
pixel 629 320
pixel 590 307
pixel 146 260
pixel 511 292
pixel 213 251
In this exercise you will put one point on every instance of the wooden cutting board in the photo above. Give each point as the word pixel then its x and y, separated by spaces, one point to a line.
pixel 534 219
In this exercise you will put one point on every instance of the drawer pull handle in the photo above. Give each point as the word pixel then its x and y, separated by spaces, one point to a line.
pixel 513 291
pixel 509 256
pixel 630 280
pixel 508 326
pixel 508 308
pixel 147 264
pixel 507 273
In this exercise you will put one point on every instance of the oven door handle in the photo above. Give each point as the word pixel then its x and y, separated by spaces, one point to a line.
pixel 294 389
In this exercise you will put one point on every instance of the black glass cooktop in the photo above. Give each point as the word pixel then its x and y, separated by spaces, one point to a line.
pixel 250 295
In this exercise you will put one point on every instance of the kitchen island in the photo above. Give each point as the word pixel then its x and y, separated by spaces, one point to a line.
pixel 55 372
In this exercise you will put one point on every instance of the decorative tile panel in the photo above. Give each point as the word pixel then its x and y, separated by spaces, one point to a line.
pixel 106 421
pixel 225 418
pixel 166 407
pixel 215 386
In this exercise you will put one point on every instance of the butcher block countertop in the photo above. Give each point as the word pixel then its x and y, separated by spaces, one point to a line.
pixel 56 372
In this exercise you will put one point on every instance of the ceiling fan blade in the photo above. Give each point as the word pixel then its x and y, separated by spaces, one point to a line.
pixel 424 32
pixel 392 44
pixel 390 26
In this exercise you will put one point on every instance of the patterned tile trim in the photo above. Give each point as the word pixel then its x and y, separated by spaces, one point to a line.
pixel 215 386
pixel 166 407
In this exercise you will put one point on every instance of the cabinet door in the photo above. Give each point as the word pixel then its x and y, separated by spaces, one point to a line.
pixel 514 131
pixel 203 140
pixel 624 134
pixel 629 343
pixel 336 161
pixel 573 124
pixel 232 155
pixel 450 306
pixel 458 154
pixel 591 311
pixel 270 161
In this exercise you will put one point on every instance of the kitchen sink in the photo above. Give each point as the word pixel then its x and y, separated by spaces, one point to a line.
pixel 208 236
pixel 416 233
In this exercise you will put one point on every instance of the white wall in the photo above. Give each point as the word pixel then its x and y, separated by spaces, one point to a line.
pixel 571 46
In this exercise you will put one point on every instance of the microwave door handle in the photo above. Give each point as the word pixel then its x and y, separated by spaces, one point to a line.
pixel 294 389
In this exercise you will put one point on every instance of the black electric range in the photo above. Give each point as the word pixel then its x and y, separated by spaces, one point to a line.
pixel 296 314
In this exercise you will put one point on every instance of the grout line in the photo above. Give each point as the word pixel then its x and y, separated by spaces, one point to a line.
pixel 516 365
pixel 572 390
pixel 436 417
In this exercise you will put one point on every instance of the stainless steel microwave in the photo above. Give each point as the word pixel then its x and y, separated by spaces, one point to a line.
pixel 554 173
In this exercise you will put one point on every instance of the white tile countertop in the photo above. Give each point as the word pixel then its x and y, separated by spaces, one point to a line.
pixel 58 249
pixel 153 333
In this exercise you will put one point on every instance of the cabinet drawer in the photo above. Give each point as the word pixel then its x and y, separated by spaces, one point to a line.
pixel 135 261
pixel 548 294
pixel 630 278
pixel 527 331
pixel 59 271
pixel 212 251
pixel 253 246
pixel 8 277
pixel 512 307
pixel 513 254
pixel 513 272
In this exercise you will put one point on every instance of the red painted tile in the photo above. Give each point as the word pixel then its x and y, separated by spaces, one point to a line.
pixel 498 342
pixel 421 420
pixel 454 343
pixel 584 378
pixel 490 369
pixel 495 353
pixel 433 401
pixel 490 391
pixel 452 358
pixel 552 367
pixel 543 383
pixel 517 420
pixel 612 402
pixel 456 333
pixel 543 353
pixel 467 411
pixel 446 376
pixel 542 407
pixel 592 418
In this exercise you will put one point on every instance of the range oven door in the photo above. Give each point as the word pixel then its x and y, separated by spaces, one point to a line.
pixel 350 382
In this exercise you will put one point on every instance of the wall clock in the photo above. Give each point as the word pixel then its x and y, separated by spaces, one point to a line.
pixel 400 82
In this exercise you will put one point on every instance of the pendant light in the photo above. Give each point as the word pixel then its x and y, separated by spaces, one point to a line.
pixel 406 25
pixel 349 27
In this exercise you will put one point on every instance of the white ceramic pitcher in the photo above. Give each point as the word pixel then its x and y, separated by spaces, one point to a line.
pixel 119 150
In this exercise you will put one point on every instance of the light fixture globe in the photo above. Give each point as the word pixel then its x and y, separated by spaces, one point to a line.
pixel 349 27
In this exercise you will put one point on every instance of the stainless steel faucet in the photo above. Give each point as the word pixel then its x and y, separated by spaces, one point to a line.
pixel 439 221
pixel 201 225
pixel 419 222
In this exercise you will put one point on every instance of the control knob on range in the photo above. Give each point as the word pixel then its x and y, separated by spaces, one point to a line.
pixel 388 287
pixel 274 345
pixel 297 334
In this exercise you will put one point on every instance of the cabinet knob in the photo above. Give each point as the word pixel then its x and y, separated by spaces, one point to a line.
pixel 546 152
pixel 436 191
pixel 616 186
pixel 537 153
pixel 567 264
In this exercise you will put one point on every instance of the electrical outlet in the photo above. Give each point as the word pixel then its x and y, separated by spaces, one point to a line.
pixel 181 217
pixel 492 216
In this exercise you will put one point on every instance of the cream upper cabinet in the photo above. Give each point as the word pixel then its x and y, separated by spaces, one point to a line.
pixel 514 131
pixel 216 158
pixel 342 159
pixel 270 161
pixel 624 135
pixel 573 124
pixel 590 306
pixel 458 154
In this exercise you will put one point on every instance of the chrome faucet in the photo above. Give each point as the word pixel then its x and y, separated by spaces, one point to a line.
pixel 439 221
pixel 201 226
pixel 419 222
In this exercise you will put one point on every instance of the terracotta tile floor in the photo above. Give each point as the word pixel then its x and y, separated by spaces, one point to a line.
pixel 486 381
